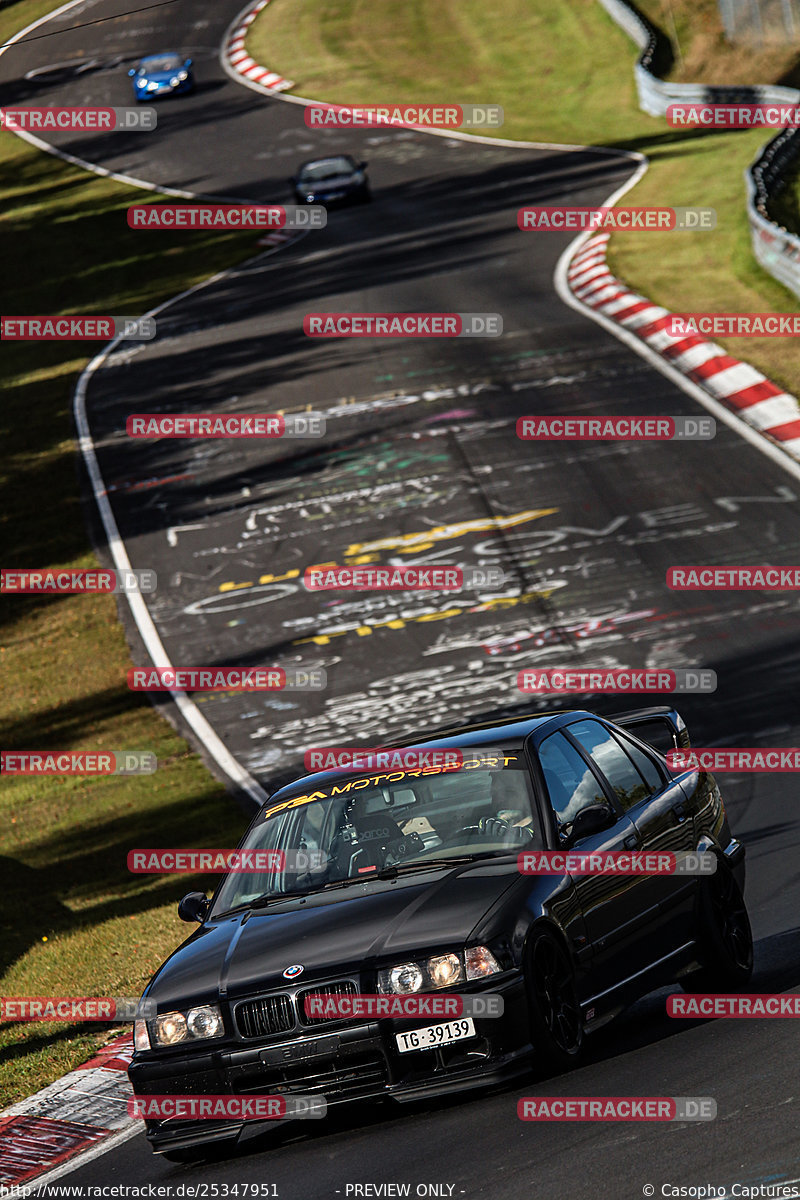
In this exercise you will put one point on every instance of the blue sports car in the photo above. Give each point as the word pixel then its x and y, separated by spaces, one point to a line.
pixel 161 75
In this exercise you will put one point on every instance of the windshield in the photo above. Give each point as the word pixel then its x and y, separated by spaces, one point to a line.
pixel 328 168
pixel 165 62
pixel 362 825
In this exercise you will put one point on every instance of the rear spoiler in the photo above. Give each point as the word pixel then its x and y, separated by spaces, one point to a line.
pixel 661 727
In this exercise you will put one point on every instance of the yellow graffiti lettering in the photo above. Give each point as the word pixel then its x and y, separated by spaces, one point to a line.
pixel 426 538
pixel 293 574
pixel 323 639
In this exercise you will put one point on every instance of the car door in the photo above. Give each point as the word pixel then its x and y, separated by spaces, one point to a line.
pixel 656 804
pixel 612 905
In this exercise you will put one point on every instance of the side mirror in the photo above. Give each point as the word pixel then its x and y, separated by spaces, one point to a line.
pixel 592 819
pixel 188 62
pixel 132 72
pixel 194 907
pixel 362 165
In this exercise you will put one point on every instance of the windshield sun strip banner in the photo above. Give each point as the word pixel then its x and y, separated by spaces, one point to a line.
pixel 344 786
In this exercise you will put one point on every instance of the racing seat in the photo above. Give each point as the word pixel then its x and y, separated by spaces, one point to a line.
pixel 375 832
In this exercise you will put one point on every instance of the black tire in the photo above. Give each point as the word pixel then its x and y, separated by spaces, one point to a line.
pixel 725 936
pixel 555 1012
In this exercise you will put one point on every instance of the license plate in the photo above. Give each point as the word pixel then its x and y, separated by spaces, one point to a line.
pixel 431 1036
pixel 324 1047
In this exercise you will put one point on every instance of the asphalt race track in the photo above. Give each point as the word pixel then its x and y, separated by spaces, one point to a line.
pixel 421 464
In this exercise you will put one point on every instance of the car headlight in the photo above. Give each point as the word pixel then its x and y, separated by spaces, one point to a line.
pixel 141 1038
pixel 439 971
pixel 183 75
pixel 445 970
pixel 205 1021
pixel 404 979
pixel 141 83
pixel 174 81
pixel 152 86
pixel 481 962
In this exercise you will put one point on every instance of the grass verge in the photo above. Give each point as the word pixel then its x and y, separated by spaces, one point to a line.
pixel 73 921
pixel 566 75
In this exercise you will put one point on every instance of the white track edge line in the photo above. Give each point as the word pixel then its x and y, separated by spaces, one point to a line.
pixel 141 614
pixel 306 102
pixel 72 159
pixel 85 1156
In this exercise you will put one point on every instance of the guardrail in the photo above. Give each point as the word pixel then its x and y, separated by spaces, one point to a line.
pixel 775 248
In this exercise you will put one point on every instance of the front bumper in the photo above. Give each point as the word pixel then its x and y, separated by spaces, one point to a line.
pixel 164 89
pixel 341 1062
pixel 341 196
pixel 734 854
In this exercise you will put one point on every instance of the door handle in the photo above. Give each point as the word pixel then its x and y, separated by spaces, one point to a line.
pixel 631 841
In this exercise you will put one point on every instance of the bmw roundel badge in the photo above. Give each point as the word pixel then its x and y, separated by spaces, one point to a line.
pixel 293 972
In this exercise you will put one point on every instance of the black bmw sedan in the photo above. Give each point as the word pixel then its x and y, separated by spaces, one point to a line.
pixel 414 886
pixel 331 181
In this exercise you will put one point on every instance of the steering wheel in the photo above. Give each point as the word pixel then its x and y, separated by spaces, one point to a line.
pixel 495 827
pixel 408 844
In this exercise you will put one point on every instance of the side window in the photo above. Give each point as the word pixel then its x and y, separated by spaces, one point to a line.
pixel 627 784
pixel 645 765
pixel 570 783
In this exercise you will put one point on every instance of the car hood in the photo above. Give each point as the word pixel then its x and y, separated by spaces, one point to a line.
pixel 335 933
